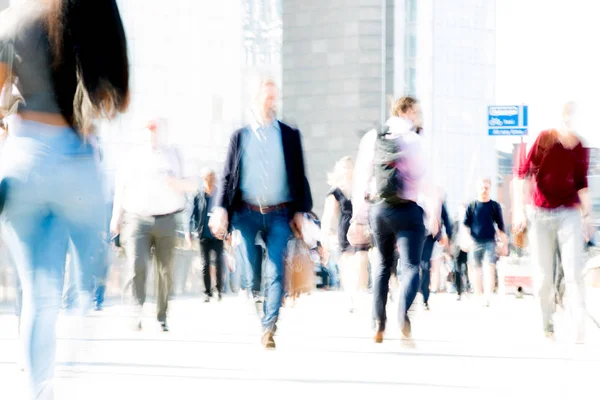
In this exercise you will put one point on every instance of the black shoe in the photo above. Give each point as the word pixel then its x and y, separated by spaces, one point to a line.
pixel 164 327
pixel 219 297
pixel 267 340
pixel 427 307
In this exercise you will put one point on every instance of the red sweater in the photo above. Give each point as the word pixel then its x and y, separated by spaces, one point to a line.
pixel 558 173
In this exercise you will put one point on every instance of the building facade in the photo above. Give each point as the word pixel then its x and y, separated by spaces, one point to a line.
pixel 343 65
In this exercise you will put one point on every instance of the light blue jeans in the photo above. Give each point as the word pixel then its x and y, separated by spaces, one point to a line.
pixel 54 195
pixel 559 230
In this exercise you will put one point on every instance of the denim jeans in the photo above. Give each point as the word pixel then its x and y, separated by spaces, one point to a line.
pixel 54 195
pixel 551 231
pixel 398 227
pixel 275 227
pixel 428 246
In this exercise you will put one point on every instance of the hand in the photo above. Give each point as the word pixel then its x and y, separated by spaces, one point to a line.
pixel 188 240
pixel 519 220
pixel 115 226
pixel 444 241
pixel 434 226
pixel 219 223
pixel 358 234
pixel 296 225
pixel 588 230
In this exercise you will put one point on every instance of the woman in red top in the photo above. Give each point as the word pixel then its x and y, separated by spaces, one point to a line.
pixel 558 166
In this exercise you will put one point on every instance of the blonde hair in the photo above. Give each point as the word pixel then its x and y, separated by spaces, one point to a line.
pixel 402 105
pixel 338 177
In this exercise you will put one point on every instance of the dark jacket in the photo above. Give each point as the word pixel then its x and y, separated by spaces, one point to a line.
pixel 198 213
pixel 230 196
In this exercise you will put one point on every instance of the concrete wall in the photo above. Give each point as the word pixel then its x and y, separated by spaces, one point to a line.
pixel 332 77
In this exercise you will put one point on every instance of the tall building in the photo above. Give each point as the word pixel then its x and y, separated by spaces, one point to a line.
pixel 455 80
pixel 342 64
pixel 338 68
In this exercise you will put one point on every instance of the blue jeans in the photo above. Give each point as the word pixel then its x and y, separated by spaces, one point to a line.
pixel 54 195
pixel 397 227
pixel 275 227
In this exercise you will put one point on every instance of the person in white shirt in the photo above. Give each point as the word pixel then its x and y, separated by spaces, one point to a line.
pixel 148 196
pixel 399 216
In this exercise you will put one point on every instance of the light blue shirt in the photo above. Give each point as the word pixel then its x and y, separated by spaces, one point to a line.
pixel 264 180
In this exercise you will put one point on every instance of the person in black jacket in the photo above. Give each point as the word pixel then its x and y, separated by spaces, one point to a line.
pixel 428 251
pixel 264 190
pixel 209 244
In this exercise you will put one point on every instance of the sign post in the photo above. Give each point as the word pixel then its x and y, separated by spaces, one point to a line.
pixel 508 120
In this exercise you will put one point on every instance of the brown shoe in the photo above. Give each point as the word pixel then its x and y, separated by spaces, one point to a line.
pixel 379 331
pixel 406 329
pixel 267 340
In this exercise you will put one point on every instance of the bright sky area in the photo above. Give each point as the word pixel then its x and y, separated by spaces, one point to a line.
pixel 547 55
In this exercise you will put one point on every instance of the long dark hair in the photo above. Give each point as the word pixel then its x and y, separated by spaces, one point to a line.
pixel 90 64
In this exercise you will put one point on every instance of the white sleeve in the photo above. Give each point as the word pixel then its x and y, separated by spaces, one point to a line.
pixel 363 174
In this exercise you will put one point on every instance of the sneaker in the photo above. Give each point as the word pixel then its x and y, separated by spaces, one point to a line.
pixel 164 327
pixel 426 305
pixel 406 329
pixel 219 296
pixel 206 298
pixel 549 331
pixel 268 341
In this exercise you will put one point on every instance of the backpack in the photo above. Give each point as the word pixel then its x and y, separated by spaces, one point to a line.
pixel 386 168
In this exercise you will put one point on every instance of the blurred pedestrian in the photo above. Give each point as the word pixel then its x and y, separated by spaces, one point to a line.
pixel 264 189
pixel 73 67
pixel 559 217
pixel 148 197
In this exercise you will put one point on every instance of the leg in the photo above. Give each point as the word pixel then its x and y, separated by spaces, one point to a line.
pixel 278 233
pixel 476 255
pixel 426 267
pixel 410 245
pixel 164 239
pixel 489 269
pixel 249 224
pixel 39 246
pixel 218 249
pixel 542 242
pixel 385 244
pixel 205 251
pixel 137 242
pixel 571 244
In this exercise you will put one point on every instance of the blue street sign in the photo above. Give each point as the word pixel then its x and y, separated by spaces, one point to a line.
pixel 507 120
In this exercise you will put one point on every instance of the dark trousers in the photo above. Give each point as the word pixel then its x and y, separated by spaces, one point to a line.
pixel 398 227
pixel 426 267
pixel 461 276
pixel 208 246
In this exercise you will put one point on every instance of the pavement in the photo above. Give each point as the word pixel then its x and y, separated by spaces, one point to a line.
pixel 460 350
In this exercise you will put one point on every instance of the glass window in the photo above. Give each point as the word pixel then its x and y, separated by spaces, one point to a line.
pixel 411 10
pixel 411 46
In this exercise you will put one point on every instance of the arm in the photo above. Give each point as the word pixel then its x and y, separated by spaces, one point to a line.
pixel 219 222
pixel 581 182
pixel 447 222
pixel 363 173
pixel 304 200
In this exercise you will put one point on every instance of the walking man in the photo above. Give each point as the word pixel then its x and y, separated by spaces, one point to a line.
pixel 147 200
pixel 482 219
pixel 264 190
pixel 393 158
